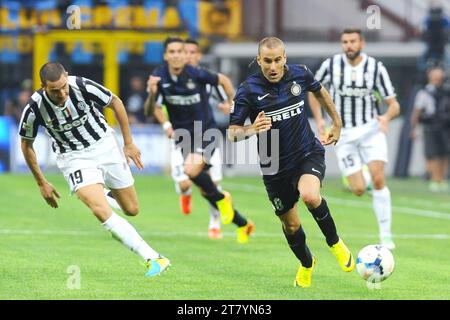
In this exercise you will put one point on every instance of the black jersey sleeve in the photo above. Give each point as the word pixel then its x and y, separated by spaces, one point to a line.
pixel 29 122
pixel 241 107
pixel 207 77
pixel 311 83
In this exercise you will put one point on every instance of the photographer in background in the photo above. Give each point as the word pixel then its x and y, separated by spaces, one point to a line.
pixel 432 109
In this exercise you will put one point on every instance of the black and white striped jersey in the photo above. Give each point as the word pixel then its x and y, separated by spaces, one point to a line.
pixel 76 125
pixel 353 87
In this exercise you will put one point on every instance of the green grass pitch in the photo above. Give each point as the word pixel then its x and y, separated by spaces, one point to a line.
pixel 40 246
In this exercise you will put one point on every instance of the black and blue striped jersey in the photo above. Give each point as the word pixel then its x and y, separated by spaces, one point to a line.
pixel 284 103
pixel 186 96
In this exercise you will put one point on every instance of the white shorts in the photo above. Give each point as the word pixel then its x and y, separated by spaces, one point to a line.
pixel 103 162
pixel 177 165
pixel 367 148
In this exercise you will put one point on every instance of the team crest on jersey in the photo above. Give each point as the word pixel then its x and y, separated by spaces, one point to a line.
pixel 296 89
pixel 81 105
pixel 190 84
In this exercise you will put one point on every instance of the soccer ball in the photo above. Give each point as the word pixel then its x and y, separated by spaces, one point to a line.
pixel 375 263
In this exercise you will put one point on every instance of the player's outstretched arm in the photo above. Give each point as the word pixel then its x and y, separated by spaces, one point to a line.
pixel 129 148
pixel 261 124
pixel 324 99
pixel 162 119
pixel 227 86
pixel 152 88
pixel 316 111
pixel 47 190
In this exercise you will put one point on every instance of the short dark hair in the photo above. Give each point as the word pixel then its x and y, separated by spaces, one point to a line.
pixel 191 41
pixel 353 30
pixel 170 40
pixel 51 71
pixel 270 42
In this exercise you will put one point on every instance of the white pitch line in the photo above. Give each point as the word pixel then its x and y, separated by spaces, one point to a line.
pixel 169 234
pixel 357 204
pixel 427 203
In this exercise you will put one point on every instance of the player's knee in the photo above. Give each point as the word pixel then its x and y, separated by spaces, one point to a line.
pixel 358 191
pixel 311 199
pixel 190 172
pixel 185 185
pixel 291 227
pixel 132 209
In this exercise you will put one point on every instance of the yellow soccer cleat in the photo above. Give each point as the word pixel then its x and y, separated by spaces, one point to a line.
pixel 244 232
pixel 343 256
pixel 225 208
pixel 304 275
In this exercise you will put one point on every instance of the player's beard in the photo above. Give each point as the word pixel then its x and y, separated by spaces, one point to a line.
pixel 353 56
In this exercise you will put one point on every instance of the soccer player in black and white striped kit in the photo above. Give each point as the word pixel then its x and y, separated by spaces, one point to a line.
pixel 70 109
pixel 354 80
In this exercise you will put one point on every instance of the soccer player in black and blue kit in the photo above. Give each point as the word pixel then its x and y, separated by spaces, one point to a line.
pixel 274 100
pixel 182 89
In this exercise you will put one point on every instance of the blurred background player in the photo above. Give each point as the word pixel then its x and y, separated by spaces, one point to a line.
pixel 88 155
pixel 432 109
pixel 353 78
pixel 182 183
pixel 182 89
pixel 274 100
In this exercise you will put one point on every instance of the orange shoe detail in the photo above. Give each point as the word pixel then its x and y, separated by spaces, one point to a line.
pixel 215 233
pixel 185 204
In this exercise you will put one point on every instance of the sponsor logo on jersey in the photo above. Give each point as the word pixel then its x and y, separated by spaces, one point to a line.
pixel 262 97
pixel 184 100
pixel 69 126
pixel 358 92
pixel 287 112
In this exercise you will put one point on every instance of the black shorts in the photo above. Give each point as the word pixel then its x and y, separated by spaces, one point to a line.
pixel 197 145
pixel 283 192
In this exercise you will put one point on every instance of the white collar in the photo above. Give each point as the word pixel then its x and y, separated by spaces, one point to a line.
pixel 360 64
pixel 54 106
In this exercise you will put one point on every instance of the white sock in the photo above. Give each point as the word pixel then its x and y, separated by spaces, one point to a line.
pixel 180 192
pixel 112 202
pixel 367 178
pixel 214 218
pixel 127 234
pixel 383 211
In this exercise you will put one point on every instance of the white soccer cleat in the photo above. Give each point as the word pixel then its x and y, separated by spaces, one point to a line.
pixel 388 243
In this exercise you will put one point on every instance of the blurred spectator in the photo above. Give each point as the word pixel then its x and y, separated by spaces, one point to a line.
pixel 15 106
pixel 134 103
pixel 436 35
pixel 13 110
pixel 432 109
